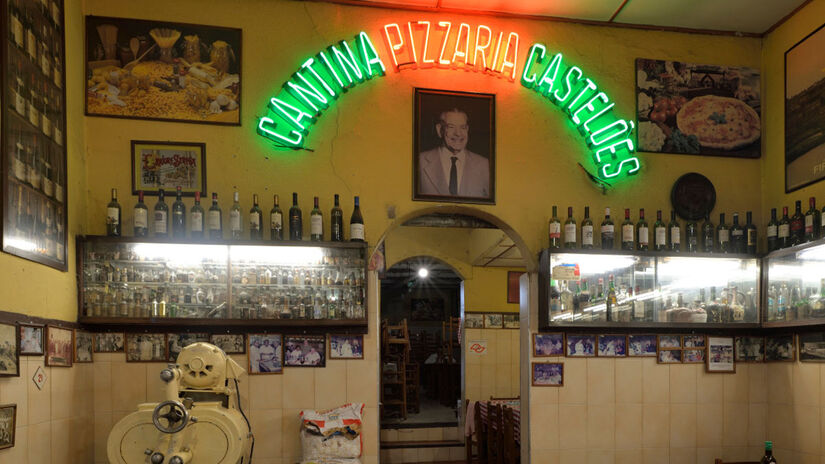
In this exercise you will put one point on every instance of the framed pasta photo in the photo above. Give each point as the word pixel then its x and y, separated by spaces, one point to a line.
pixel 167 166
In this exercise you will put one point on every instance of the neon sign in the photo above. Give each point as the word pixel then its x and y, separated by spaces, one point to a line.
pixel 322 78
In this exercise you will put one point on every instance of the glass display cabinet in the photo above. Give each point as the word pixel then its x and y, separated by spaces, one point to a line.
pixel 795 285
pixel 132 281
pixel 606 288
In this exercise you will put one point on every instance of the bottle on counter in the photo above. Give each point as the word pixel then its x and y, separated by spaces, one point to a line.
pixel 768 457
pixel 607 231
pixel 196 218
pixel 722 235
pixel 336 222
pixel 737 236
pixel 772 232
pixel 750 234
pixel 659 233
pixel 113 216
pixel 587 229
pixel 256 220
pixel 214 221
pixel 675 234
pixel 692 236
pixel 628 231
pixel 160 222
pixel 610 300
pixel 708 235
pixel 178 215
pixel 356 224
pixel 797 225
pixel 570 229
pixel 784 229
pixel 554 230
pixel 235 227
pixel 141 215
pixel 642 232
pixel 296 219
pixel 316 222
pixel 812 218
pixel 276 221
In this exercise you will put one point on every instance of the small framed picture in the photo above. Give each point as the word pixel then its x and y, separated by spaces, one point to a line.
pixel 145 347
pixel 59 346
pixel 612 346
pixel 8 422
pixel 670 341
pixel 305 351
pixel 780 348
pixel 493 321
pixel 548 374
pixel 580 346
pixel 513 290
pixel 669 356
pixel 812 347
pixel 31 339
pixel 168 165
pixel 175 342
pixel 109 342
pixel 510 321
pixel 265 353
pixel 548 344
pixel 229 343
pixel 641 345
pixel 83 346
pixel 720 354
pixel 693 341
pixel 473 321
pixel 749 349
pixel 9 350
pixel 346 346
pixel 693 356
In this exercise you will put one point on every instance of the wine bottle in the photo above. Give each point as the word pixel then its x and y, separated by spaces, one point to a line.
pixel 768 457
pixel 722 235
pixel 608 231
pixel 812 218
pixel 610 300
pixel 256 220
pixel 708 235
pixel 570 229
pixel 235 228
pixel 336 222
pixel 751 234
pixel 178 216
pixel 659 233
pixel 784 229
pixel 587 229
pixel 196 218
pixel 675 234
pixel 692 236
pixel 642 233
pixel 797 225
pixel 161 216
pixel 356 224
pixel 296 220
pixel 276 221
pixel 628 231
pixel 113 216
pixel 316 223
pixel 214 220
pixel 141 215
pixel 555 230
pixel 772 232
pixel 737 236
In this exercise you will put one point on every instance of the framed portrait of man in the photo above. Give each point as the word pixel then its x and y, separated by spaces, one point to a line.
pixel 454 147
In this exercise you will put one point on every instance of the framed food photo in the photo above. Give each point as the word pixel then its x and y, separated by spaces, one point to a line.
pixel 165 71
pixel 167 166
pixel 454 147
pixel 804 112
pixel 31 339
pixel 9 351
pixel 698 109
pixel 59 346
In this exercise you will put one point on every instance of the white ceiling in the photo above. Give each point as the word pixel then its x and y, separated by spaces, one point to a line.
pixel 747 16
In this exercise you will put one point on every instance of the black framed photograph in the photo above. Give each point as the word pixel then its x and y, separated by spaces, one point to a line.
pixel 145 347
pixel 547 374
pixel 666 356
pixel 812 347
pixel 749 349
pixel 493 321
pixel 163 71
pixel 9 350
pixel 109 342
pixel 804 112
pixel 229 343
pixel 612 346
pixel 548 344
pixel 31 339
pixel 780 348
pixel 454 146
pixel 83 342
pixel 579 346
pixel 265 353
pixel 8 422
pixel 167 166
pixel 641 345
pixel 693 356
pixel 473 321
pixel 720 355
pixel 346 346
pixel 59 346
pixel 305 351
pixel 175 342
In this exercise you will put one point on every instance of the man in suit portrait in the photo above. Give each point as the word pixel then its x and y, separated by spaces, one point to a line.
pixel 450 169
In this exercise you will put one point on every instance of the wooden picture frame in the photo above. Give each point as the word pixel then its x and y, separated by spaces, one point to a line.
pixel 749 349
pixel 473 320
pixel 548 371
pixel 145 347
pixel 9 350
pixel 694 356
pixel 338 348
pixel 167 165
pixel 32 339
pixel 780 348
pixel 83 346
pixel 108 43
pixel 641 345
pixel 580 345
pixel 513 287
pixel 720 357
pixel 493 321
pixel 511 320
pixel 548 344
pixel 305 351
pixel 8 421
pixel 177 341
pixel 811 347
pixel 694 341
pixel 271 360
pixel 229 343
pixel 611 346
pixel 668 356
pixel 59 346
pixel 109 342
pixel 669 342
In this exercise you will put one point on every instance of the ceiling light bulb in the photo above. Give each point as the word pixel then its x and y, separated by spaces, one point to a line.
pixel 423 272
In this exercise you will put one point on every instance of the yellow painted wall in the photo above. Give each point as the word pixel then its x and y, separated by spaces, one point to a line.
pixel 487 291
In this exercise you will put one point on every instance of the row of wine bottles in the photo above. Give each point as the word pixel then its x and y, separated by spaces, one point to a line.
pixel 209 224
pixel 707 238
pixel 797 229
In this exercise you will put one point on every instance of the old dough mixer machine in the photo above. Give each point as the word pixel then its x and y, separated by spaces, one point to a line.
pixel 200 422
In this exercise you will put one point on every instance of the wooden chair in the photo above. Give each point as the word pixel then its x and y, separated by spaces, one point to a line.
pixel 494 434
pixel 511 450
pixel 477 439
pixel 516 398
